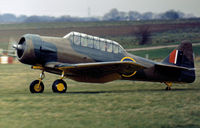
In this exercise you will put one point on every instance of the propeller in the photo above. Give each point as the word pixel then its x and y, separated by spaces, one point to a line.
pixel 18 46
pixel 11 49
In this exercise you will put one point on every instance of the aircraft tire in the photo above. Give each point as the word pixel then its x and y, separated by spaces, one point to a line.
pixel 168 88
pixel 59 86
pixel 34 89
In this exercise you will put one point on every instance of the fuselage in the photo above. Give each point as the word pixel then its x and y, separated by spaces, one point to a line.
pixel 77 48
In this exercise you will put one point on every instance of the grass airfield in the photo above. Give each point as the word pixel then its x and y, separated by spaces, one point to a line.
pixel 118 104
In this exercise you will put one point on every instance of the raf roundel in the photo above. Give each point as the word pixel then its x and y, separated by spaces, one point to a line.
pixel 130 60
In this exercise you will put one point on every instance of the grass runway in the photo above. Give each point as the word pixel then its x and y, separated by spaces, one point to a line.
pixel 118 104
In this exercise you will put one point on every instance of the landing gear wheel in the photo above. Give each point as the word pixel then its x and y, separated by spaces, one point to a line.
pixel 168 88
pixel 59 86
pixel 36 87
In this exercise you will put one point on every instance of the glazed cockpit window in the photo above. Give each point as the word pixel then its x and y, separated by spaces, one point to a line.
pixel 90 43
pixel 102 46
pixel 109 47
pixel 120 50
pixel 94 42
pixel 84 41
pixel 115 48
pixel 77 40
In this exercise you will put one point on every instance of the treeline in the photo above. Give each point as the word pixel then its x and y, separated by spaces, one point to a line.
pixel 115 15
pixel 112 15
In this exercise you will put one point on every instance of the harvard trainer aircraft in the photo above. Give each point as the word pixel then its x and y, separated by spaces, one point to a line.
pixel 92 59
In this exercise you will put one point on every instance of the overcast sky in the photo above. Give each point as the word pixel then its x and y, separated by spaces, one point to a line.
pixel 97 7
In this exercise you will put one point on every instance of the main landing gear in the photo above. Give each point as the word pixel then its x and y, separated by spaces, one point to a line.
pixel 169 85
pixel 58 86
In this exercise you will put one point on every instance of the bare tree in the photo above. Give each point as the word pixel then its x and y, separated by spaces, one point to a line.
pixel 144 34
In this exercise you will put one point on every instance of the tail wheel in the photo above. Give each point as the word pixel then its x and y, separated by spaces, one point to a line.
pixel 59 86
pixel 169 85
pixel 36 87
pixel 168 88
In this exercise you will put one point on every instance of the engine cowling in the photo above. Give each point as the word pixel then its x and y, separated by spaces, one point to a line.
pixel 28 49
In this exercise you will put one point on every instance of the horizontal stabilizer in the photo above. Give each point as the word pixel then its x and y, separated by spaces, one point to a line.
pixel 174 67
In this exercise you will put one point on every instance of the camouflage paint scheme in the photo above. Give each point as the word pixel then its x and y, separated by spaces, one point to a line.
pixel 85 64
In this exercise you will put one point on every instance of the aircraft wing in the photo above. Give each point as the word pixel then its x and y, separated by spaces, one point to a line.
pixel 97 68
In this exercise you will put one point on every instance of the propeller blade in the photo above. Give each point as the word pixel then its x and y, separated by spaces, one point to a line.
pixel 17 46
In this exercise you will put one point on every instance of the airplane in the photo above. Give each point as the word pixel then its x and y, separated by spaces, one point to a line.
pixel 91 59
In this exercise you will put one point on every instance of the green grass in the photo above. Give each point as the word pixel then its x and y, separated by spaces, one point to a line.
pixel 88 24
pixel 164 38
pixel 119 104
pixel 161 53
pixel 172 36
pixel 154 54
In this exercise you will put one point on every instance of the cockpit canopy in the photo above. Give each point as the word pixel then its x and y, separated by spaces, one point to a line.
pixel 94 42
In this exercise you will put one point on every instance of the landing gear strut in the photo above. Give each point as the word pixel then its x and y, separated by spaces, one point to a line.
pixel 169 85
pixel 37 86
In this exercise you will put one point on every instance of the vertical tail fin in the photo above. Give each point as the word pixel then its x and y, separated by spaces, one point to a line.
pixel 183 56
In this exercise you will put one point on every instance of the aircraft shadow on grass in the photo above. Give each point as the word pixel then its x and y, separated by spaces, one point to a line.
pixel 133 91
pixel 121 91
